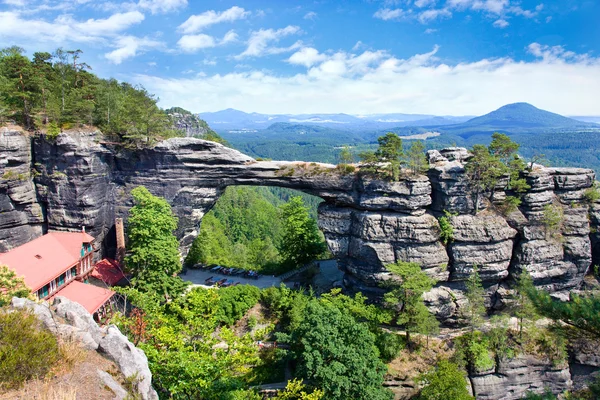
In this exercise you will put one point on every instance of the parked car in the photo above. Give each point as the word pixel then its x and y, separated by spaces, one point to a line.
pixel 228 283
pixel 221 282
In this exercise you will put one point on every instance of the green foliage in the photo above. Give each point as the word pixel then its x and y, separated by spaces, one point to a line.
pixel 11 286
pixel 188 356
pixel 302 241
pixel 58 91
pixel 389 345
pixel 345 156
pixel 245 230
pixel 510 204
pixel 582 312
pixel 53 131
pixel 446 228
pixel 483 172
pixel 474 311
pixel 446 382
pixel 153 254
pixel 547 395
pixel 295 390
pixel 489 164
pixel 416 160
pixel 406 298
pixel 338 354
pixel 235 301
pixel 523 308
pixel 26 350
pixel 473 352
pixel 592 195
pixel 552 219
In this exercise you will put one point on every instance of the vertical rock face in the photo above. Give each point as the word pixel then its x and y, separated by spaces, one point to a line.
pixel 513 378
pixel 21 216
pixel 367 223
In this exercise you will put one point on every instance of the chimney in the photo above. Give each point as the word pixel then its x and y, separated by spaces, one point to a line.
pixel 120 240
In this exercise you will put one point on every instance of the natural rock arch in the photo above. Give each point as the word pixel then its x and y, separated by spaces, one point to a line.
pixel 367 223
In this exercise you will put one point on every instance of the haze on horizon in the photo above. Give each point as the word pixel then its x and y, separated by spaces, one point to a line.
pixel 442 57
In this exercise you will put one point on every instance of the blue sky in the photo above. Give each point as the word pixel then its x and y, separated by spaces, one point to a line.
pixel 445 57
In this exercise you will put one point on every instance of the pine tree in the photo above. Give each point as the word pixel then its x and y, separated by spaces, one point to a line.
pixel 390 152
pixel 406 298
pixel 417 162
pixel 475 309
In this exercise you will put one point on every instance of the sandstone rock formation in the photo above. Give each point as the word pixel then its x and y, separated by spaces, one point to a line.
pixel 69 320
pixel 367 223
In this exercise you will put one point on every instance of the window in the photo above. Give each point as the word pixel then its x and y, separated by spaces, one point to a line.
pixel 61 279
pixel 43 292
pixel 74 271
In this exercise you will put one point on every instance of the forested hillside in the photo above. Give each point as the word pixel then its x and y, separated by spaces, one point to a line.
pixel 55 91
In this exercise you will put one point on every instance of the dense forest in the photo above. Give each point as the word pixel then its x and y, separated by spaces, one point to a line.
pixel 55 91
pixel 247 228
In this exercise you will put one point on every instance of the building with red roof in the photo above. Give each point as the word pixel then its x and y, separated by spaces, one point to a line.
pixel 52 263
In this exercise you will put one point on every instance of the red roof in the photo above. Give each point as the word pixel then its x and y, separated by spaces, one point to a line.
pixel 108 271
pixel 46 257
pixel 89 296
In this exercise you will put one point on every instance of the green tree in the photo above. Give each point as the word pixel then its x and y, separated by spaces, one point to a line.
pixel 153 254
pixel 390 152
pixel 12 286
pixel 417 162
pixel 445 382
pixel 18 91
pixel 302 241
pixel 483 172
pixel 523 308
pixel 345 156
pixel 474 311
pixel 338 354
pixel 296 390
pixel 581 312
pixel 406 298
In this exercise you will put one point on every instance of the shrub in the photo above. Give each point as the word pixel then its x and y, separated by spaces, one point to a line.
pixel 235 301
pixel 592 194
pixel 446 228
pixel 444 383
pixel 552 219
pixel 26 351
pixel 389 345
pixel 53 131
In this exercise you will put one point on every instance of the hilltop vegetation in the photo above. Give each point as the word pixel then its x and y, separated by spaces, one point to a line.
pixel 55 91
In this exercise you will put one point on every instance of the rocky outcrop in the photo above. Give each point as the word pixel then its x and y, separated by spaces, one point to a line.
pixel 21 216
pixel 70 321
pixel 512 379
pixel 367 223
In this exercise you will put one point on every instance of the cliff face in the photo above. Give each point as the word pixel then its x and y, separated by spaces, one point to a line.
pixel 367 223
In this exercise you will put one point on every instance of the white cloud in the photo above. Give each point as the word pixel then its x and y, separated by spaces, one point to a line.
pixel 429 31
pixel 162 6
pixel 196 23
pixel 310 15
pixel 131 46
pixel 548 19
pixel 376 82
pixel 358 45
pixel 388 13
pixel 307 56
pixel 424 3
pixel 192 43
pixel 64 29
pixel 258 43
pixel 101 27
pixel 433 14
pixel 501 23
pixel 229 37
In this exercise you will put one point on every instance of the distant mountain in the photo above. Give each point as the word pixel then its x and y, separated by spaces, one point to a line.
pixel 587 118
pixel 518 118
pixel 235 121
